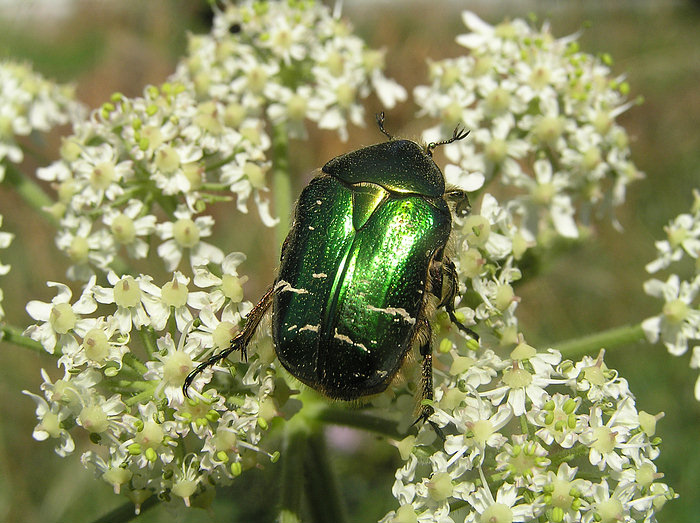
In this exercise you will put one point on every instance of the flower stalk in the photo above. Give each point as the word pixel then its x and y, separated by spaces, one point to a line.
pixel 31 192
pixel 607 339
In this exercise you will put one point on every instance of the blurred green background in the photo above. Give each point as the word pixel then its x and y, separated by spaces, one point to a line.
pixel 105 46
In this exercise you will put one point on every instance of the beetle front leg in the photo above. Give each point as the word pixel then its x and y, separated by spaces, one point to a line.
pixel 240 340
pixel 448 300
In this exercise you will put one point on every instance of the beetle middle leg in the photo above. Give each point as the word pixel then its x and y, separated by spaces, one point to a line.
pixel 446 271
pixel 240 341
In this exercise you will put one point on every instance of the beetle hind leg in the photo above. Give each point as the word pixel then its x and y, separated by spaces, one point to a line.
pixel 239 342
pixel 424 334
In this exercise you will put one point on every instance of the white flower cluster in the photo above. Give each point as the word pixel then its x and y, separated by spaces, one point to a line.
pixel 487 246
pixel 123 376
pixel 181 145
pixel 543 120
pixel 290 60
pixel 522 434
pixel 678 324
pixel 29 103
pixel 5 240
pixel 164 150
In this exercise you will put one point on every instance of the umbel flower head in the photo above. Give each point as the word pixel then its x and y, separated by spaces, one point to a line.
pixel 530 437
pixel 678 324
pixel 543 118
pixel 30 103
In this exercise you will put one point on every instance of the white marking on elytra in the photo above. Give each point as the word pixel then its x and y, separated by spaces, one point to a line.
pixel 283 286
pixel 319 202
pixel 313 328
pixel 347 339
pixel 312 228
pixel 319 275
pixel 395 311
pixel 293 327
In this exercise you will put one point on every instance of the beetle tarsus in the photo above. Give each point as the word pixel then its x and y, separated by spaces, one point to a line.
pixel 426 412
pixel 239 342
pixel 211 361
pixel 461 326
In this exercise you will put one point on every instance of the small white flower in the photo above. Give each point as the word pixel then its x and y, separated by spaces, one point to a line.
pixel 567 490
pixel 171 367
pixel 132 296
pixel 592 376
pixel 483 425
pixel 129 225
pixel 86 247
pixel 504 507
pixel 62 321
pixel 609 506
pixel 604 439
pixel 102 416
pixel 683 235
pixel 50 425
pixel 100 345
pixel 186 233
pixel 679 321
pixel 99 174
pixel 559 420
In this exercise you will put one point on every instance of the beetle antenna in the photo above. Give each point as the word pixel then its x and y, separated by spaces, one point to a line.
pixel 458 134
pixel 380 124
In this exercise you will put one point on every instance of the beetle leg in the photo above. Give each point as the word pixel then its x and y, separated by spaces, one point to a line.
pixel 425 332
pixel 448 299
pixel 240 340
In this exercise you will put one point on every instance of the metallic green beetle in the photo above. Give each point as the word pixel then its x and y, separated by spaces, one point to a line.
pixel 362 270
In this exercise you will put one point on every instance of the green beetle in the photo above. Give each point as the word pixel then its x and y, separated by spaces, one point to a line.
pixel 362 270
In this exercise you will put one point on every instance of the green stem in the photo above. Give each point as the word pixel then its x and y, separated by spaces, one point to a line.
pixel 220 163
pixel 325 502
pixel 14 335
pixel 281 182
pixel 607 339
pixel 148 339
pixel 567 455
pixel 144 396
pixel 291 487
pixel 133 362
pixel 358 420
pixel 30 191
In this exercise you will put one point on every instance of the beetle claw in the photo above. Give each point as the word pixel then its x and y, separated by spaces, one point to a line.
pixel 425 414
pixel 462 327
